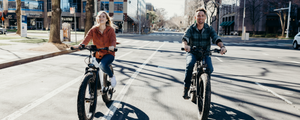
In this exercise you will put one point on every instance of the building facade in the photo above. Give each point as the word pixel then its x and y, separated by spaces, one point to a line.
pixel 124 13
pixel 269 23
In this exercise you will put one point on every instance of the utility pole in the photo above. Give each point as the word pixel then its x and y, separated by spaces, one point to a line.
pixel 288 25
pixel 2 17
pixel 243 33
pixel 139 12
pixel 95 10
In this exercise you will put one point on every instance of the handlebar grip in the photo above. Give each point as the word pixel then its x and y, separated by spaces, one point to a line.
pixel 182 49
pixel 72 48
pixel 116 49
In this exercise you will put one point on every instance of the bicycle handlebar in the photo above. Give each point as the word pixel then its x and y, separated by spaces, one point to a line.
pixel 196 49
pixel 92 48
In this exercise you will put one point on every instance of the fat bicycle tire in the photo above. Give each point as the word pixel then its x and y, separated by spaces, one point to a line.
pixel 107 96
pixel 204 96
pixel 86 107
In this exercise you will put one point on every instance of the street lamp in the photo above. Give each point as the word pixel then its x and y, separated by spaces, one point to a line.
pixel 288 24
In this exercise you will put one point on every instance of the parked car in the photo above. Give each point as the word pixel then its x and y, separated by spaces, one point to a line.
pixel 1 30
pixel 296 41
pixel 234 33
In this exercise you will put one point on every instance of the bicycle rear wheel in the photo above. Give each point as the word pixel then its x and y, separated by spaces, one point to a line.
pixel 204 96
pixel 108 93
pixel 87 98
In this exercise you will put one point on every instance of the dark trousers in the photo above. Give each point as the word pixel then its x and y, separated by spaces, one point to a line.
pixel 190 62
pixel 105 62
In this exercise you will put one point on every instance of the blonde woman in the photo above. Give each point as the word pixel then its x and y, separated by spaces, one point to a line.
pixel 103 35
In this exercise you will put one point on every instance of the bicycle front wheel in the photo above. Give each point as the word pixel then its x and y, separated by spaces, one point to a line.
pixel 87 98
pixel 204 96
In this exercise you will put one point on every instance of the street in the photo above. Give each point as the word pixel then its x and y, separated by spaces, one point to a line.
pixel 253 80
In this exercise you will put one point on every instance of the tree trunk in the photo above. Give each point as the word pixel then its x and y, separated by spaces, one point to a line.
pixel 18 13
pixel 55 22
pixel 89 8
pixel 253 30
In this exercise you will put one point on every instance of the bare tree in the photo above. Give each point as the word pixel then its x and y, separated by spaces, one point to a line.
pixel 254 12
pixel 151 17
pixel 161 16
pixel 211 8
pixel 192 5
pixel 176 22
pixel 55 22
pixel 18 13
pixel 277 4
pixel 89 8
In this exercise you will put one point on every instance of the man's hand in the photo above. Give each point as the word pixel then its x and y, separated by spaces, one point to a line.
pixel 111 48
pixel 186 47
pixel 223 49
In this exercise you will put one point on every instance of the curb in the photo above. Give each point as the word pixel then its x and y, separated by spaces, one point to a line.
pixel 31 59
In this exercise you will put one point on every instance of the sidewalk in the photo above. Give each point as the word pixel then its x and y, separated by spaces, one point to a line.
pixel 15 53
pixel 252 40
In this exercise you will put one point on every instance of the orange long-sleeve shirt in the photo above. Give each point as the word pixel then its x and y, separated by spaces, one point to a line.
pixel 108 38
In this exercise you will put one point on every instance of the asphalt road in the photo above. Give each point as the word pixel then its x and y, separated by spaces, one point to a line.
pixel 249 82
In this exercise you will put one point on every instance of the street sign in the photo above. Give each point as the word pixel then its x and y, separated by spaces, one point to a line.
pixel 2 18
pixel 72 10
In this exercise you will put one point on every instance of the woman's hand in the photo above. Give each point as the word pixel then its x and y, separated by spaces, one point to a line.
pixel 111 48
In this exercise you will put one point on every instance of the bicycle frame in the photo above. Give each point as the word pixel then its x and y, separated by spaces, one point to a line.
pixel 93 66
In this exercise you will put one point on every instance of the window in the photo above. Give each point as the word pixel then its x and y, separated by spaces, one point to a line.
pixel 66 4
pixel 49 6
pixel 104 6
pixel 84 4
pixel 118 7
pixel 1 3
pixel 28 5
pixel 12 5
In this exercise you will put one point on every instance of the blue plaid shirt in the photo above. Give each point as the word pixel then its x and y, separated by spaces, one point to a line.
pixel 194 37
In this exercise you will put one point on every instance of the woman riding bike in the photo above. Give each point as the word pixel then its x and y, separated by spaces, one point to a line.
pixel 103 35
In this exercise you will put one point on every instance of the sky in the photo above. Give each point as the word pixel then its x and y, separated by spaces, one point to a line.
pixel 171 6
pixel 176 6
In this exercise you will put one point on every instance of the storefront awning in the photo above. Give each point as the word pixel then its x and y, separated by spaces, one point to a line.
pixel 227 23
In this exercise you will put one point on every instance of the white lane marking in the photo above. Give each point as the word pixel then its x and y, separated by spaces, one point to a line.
pixel 219 59
pixel 125 41
pixel 175 41
pixel 265 54
pixel 144 45
pixel 294 62
pixel 156 41
pixel 124 55
pixel 287 101
pixel 136 41
pixel 112 109
pixel 166 41
pixel 37 102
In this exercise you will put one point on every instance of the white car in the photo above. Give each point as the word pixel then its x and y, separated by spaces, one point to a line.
pixel 296 41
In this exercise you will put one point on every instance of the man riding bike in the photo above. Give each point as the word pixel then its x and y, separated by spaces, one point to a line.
pixel 199 35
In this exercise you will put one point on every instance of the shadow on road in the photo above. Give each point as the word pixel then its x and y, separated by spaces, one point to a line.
pixel 221 112
pixel 126 112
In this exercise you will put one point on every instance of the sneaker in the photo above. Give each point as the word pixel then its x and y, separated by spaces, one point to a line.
pixel 185 93
pixel 113 81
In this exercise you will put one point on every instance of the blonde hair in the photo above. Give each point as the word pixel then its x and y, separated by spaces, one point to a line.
pixel 109 21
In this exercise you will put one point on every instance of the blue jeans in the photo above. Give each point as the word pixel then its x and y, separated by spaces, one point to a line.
pixel 105 62
pixel 190 62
